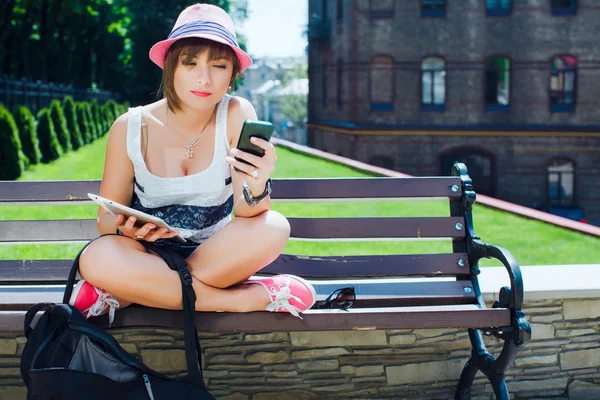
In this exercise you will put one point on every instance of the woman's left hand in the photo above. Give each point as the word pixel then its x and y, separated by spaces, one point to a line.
pixel 264 166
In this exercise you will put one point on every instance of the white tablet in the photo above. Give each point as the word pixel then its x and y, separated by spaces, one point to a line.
pixel 115 208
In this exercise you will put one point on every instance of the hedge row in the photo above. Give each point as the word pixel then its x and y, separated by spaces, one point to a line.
pixel 26 139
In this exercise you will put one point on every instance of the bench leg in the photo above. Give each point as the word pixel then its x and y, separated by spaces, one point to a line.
pixel 493 368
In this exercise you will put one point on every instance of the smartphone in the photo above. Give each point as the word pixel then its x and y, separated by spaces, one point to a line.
pixel 261 129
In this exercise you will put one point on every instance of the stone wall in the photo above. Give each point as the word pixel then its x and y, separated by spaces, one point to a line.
pixel 562 360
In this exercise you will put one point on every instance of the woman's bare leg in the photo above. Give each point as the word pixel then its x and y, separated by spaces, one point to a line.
pixel 240 249
pixel 122 267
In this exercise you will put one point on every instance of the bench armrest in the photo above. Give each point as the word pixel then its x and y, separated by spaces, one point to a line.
pixel 511 298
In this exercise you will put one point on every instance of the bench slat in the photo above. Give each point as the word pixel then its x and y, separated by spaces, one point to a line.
pixel 305 228
pixel 373 293
pixel 56 271
pixel 388 228
pixel 283 189
pixel 460 316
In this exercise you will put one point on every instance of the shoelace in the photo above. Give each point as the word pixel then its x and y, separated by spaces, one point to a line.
pixel 281 300
pixel 104 300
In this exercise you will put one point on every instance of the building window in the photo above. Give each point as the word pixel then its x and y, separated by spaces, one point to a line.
pixel 563 75
pixel 561 182
pixel 433 8
pixel 340 10
pixel 340 88
pixel 433 83
pixel 381 83
pixel 497 83
pixel 381 9
pixel 480 163
pixel 563 7
pixel 495 8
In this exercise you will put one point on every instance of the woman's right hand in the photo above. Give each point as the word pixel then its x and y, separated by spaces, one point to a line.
pixel 148 232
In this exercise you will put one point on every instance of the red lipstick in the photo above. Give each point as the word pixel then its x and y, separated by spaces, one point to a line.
pixel 200 94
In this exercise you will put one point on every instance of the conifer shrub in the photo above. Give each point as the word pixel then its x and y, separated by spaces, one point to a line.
pixel 12 159
pixel 27 133
pixel 49 144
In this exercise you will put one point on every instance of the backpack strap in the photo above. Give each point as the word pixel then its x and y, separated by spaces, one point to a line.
pixel 31 314
pixel 193 352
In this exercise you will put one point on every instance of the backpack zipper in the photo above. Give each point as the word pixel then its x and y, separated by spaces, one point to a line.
pixel 148 386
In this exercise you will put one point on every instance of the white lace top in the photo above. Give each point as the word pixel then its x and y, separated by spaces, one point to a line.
pixel 198 205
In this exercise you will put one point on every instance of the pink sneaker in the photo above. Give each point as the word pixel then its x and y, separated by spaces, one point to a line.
pixel 288 293
pixel 92 301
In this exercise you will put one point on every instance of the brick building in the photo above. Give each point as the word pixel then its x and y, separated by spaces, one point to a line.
pixel 510 87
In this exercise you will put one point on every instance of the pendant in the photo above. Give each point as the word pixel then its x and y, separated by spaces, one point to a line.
pixel 190 152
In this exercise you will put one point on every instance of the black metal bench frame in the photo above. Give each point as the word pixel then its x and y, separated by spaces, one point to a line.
pixel 450 304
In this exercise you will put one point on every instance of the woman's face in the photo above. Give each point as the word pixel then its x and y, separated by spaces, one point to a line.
pixel 201 83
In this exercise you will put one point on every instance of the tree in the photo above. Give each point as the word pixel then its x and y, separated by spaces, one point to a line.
pixel 72 125
pixel 49 144
pixel 26 125
pixel 12 159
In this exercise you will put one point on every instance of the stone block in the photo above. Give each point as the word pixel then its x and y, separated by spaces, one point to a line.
pixel 291 394
pixel 338 338
pixel 8 347
pixel 323 365
pixel 424 372
pixel 334 388
pixel 164 360
pixel 235 396
pixel 319 353
pixel 403 339
pixel 13 392
pixel 226 359
pixel 429 333
pixel 515 387
pixel 536 360
pixel 580 359
pixel 579 390
pixel 267 337
pixel 581 309
pixel 367 370
pixel 542 331
pixel 569 333
pixel 268 357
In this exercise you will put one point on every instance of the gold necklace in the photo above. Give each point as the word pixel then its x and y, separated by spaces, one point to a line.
pixel 190 149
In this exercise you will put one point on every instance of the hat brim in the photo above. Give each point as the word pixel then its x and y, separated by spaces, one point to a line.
pixel 159 50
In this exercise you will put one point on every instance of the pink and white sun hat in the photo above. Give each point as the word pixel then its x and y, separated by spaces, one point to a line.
pixel 201 21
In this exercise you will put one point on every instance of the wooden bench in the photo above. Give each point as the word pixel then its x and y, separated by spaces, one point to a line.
pixel 428 302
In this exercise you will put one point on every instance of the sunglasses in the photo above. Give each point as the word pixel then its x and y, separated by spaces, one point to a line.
pixel 342 298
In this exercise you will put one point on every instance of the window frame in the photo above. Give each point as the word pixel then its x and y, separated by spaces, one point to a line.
pixel 563 107
pixel 559 201
pixel 434 14
pixel 494 107
pixel 498 12
pixel 432 106
pixel 381 13
pixel 564 11
pixel 376 106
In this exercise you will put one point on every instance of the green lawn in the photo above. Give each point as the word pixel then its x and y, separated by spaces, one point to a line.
pixel 531 242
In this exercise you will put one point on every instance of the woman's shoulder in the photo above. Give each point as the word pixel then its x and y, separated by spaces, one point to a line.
pixel 240 109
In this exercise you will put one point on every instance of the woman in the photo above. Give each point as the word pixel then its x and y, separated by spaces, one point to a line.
pixel 185 174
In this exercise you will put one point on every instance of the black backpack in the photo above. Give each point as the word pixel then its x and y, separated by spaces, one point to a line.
pixel 67 357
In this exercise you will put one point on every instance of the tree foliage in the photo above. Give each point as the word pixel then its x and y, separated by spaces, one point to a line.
pixel 100 44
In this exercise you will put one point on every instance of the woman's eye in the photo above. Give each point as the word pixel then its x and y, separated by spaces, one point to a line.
pixel 221 66
pixel 190 63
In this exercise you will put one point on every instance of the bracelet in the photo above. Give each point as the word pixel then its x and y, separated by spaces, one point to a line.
pixel 251 200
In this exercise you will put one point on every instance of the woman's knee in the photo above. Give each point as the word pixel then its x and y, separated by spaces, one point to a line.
pixel 99 256
pixel 276 228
